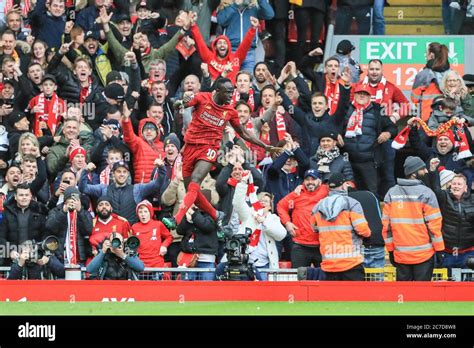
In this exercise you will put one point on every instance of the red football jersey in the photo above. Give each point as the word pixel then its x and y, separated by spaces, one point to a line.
pixel 209 119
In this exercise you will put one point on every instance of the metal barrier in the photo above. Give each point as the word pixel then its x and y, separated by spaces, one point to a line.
pixel 387 274
pixel 462 275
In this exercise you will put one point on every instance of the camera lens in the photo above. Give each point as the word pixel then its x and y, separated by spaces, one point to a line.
pixel 116 243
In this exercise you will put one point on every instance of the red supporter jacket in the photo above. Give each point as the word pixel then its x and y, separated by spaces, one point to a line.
pixel 216 64
pixel 144 153
pixel 153 235
pixel 301 206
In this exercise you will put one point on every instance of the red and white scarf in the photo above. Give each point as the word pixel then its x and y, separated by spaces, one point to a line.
pixel 255 204
pixel 250 102
pixel 354 126
pixel 461 142
pixel 257 208
pixel 333 94
pixel 378 98
pixel 71 238
pixel 104 177
pixel 280 123
pixel 401 139
pixel 85 92
pixel 50 112
pixel 25 7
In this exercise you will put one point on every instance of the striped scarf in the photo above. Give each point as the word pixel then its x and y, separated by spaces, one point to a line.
pixel 255 204
pixel 71 238
pixel 354 126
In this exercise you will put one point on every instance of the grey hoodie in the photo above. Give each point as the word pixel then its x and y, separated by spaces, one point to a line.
pixel 333 205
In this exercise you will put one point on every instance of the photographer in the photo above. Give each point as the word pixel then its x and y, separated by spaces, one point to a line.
pixel 116 260
pixel 200 237
pixel 31 264
pixel 70 221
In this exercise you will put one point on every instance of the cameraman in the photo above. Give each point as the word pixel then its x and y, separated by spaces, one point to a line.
pixel 26 266
pixel 264 227
pixel 115 263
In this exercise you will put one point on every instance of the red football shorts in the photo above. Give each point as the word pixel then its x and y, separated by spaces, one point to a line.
pixel 193 153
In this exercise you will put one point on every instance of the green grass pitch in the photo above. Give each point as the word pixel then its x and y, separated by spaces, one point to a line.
pixel 237 308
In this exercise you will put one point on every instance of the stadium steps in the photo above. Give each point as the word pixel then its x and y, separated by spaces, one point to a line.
pixel 404 17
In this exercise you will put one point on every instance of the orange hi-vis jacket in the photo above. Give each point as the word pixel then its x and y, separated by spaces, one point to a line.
pixel 341 224
pixel 412 222
pixel 425 89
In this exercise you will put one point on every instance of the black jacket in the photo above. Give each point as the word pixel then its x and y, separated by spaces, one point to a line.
pixel 365 148
pixel 371 207
pixel 339 165
pixel 280 183
pixel 200 237
pixel 9 229
pixel 54 267
pixel 70 87
pixel 56 224
pixel 313 127
pixel 458 216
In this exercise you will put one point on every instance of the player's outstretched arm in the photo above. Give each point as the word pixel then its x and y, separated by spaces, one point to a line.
pixel 250 137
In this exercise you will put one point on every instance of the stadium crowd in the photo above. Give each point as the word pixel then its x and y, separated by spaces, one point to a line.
pixel 183 125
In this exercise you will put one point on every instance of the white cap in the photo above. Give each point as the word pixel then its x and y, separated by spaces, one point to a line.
pixel 445 176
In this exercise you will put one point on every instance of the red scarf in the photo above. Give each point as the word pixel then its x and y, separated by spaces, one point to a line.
pixel 71 248
pixel 85 91
pixel 401 139
pixel 378 98
pixel 461 142
pixel 104 177
pixel 280 123
pixel 332 93
pixel 50 112
pixel 250 102
pixel 25 8
pixel 354 126
pixel 255 204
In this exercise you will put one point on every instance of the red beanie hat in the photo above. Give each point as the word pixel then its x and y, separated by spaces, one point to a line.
pixel 449 133
pixel 147 204
pixel 76 151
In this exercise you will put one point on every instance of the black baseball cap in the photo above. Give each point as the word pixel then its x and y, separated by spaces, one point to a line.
pixel 336 180
pixel 328 134
pixel 345 47
pixel 15 117
pixel 114 91
pixel 120 164
pixel 49 77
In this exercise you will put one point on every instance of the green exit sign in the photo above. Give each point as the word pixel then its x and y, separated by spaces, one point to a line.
pixel 407 49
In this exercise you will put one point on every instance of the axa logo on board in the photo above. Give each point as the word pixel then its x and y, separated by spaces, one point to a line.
pixel 28 330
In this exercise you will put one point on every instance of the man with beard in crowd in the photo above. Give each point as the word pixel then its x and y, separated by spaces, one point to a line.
pixel 107 222
pixel 305 249
pixel 412 224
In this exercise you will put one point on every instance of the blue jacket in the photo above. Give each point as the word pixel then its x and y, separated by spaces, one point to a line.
pixel 364 148
pixel 45 26
pixel 339 165
pixel 236 22
pixel 280 183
